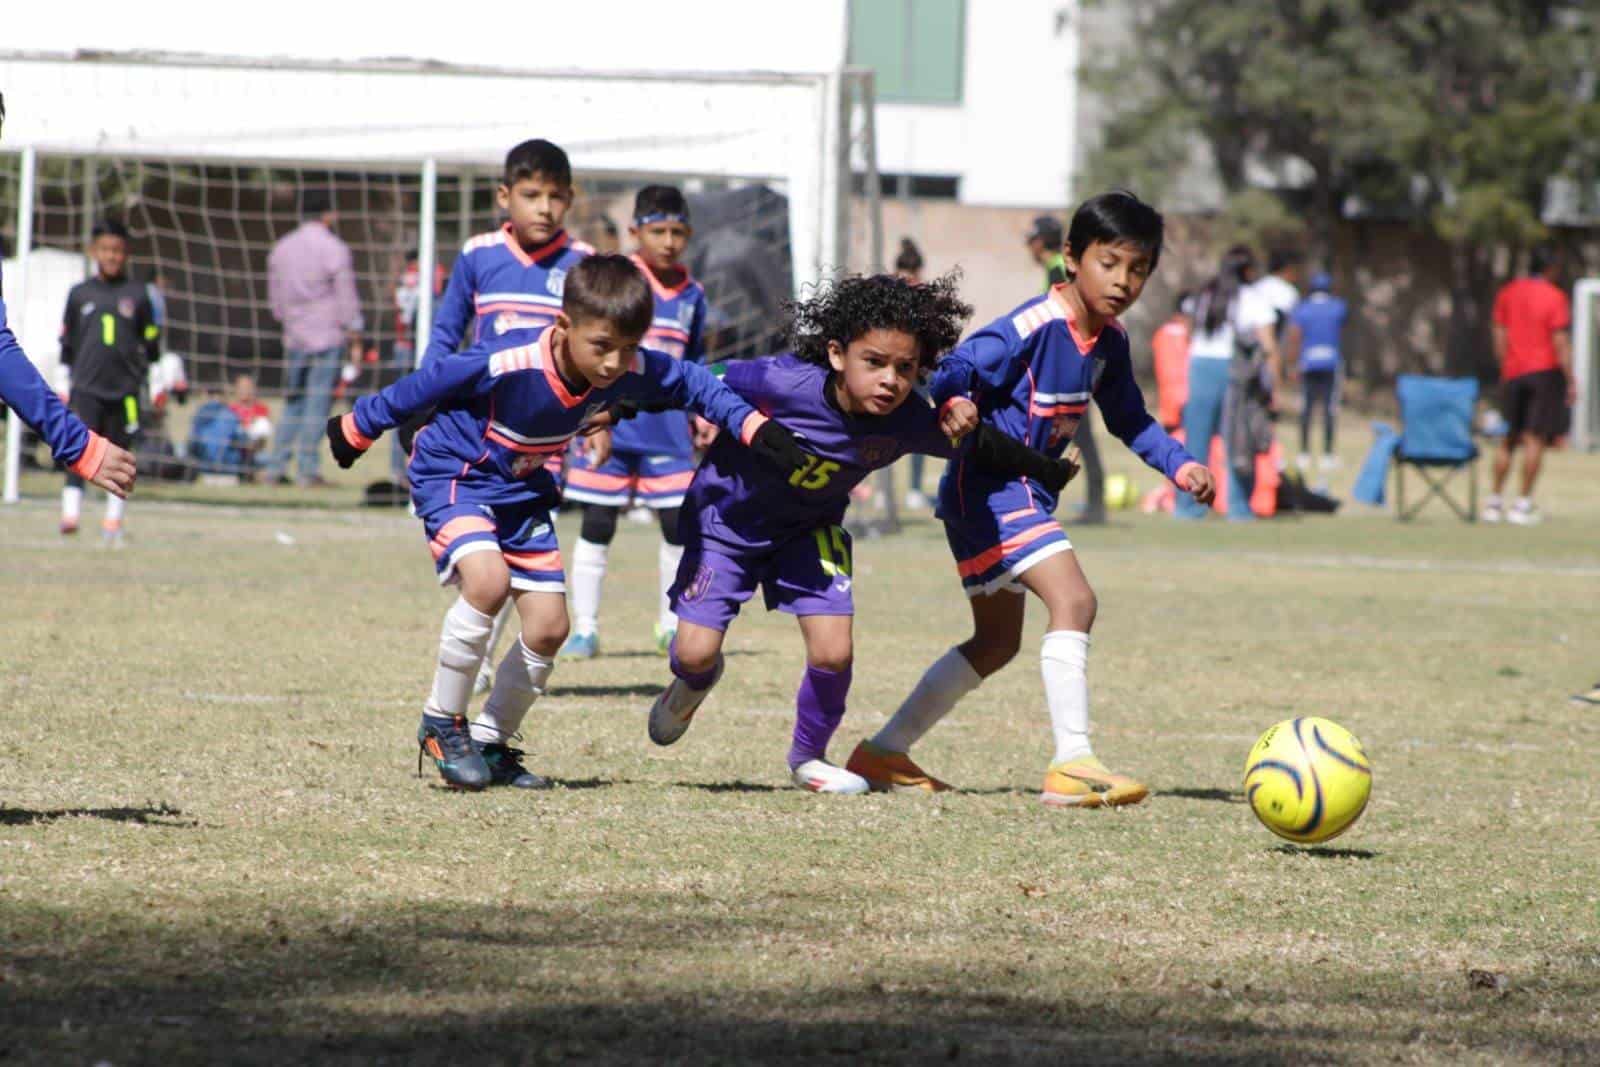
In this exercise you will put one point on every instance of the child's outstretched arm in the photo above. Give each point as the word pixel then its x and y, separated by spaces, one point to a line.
pixel 702 391
pixel 985 363
pixel 468 373
pixel 1122 406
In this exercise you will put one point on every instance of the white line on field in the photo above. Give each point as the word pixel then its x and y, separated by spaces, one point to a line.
pixel 1380 563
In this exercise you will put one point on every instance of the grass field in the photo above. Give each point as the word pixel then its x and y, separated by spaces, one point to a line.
pixel 213 846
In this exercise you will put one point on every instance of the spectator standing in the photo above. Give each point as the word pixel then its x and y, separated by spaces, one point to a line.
pixel 311 282
pixel 1169 346
pixel 1313 345
pixel 1533 342
pixel 1044 242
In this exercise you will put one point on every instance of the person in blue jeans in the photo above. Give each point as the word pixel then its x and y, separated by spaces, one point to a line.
pixel 1230 322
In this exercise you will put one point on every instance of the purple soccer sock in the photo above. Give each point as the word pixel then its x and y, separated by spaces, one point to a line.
pixel 819 705
pixel 696 680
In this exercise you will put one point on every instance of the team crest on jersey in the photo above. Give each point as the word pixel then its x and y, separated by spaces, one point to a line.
pixel 556 281
pixel 125 307
pixel 685 314
pixel 524 465
pixel 698 586
pixel 876 451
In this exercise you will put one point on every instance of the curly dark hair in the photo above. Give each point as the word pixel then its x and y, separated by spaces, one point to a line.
pixel 932 312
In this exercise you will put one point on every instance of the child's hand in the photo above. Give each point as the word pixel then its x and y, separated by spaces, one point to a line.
pixel 345 441
pixel 704 433
pixel 597 447
pixel 1195 479
pixel 117 471
pixel 957 418
pixel 602 421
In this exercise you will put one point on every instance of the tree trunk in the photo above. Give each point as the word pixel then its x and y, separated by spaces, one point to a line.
pixel 1469 349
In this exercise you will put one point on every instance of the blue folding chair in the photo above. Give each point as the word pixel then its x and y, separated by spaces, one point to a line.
pixel 1436 440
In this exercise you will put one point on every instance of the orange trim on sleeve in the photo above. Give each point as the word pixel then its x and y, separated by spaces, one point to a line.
pixel 752 423
pixel 352 432
pixel 87 465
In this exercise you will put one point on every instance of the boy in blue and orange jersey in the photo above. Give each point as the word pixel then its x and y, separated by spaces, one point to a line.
pixel 480 485
pixel 506 284
pixel 1032 374
pixel 847 393
pixel 652 456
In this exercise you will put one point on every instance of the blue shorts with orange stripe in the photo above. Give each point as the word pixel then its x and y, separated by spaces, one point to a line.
pixel 655 481
pixel 999 539
pixel 522 533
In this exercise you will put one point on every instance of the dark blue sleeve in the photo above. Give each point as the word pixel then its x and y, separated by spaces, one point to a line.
pixel 456 374
pixel 26 392
pixel 689 385
pixel 1122 406
pixel 987 362
pixel 695 349
pixel 453 312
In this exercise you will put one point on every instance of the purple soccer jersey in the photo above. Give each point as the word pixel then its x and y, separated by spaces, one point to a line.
pixel 746 525
pixel 741 502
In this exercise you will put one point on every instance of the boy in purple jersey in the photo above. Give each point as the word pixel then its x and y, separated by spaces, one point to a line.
pixel 480 486
pixel 505 286
pixel 846 395
pixel 652 456
pixel 1032 374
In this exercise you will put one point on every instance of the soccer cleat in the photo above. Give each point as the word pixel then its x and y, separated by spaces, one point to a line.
pixel 68 527
pixel 1589 698
pixel 1492 512
pixel 505 767
pixel 887 771
pixel 916 500
pixel 449 744
pixel 674 709
pixel 1524 514
pixel 580 646
pixel 820 776
pixel 111 537
pixel 664 636
pixel 1085 783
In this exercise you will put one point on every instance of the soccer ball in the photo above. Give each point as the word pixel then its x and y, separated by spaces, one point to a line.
pixel 1120 492
pixel 1308 779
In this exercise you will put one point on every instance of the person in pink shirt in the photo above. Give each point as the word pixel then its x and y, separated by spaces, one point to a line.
pixel 311 283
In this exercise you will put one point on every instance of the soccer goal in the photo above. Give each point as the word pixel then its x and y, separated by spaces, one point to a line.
pixel 205 160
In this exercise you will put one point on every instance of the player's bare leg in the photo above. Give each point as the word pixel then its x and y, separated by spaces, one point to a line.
pixel 522 677
pixel 1523 512
pixel 1075 778
pixel 820 704
pixel 696 661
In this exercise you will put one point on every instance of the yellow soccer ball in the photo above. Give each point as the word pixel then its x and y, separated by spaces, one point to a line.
pixel 1308 779
pixel 1120 492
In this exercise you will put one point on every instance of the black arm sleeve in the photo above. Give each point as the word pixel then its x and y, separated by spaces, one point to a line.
pixel 999 453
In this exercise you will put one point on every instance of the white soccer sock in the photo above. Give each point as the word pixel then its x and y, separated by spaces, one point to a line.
pixel 115 506
pixel 520 681
pixel 71 503
pixel 507 612
pixel 942 685
pixel 463 640
pixel 1064 662
pixel 667 558
pixel 588 572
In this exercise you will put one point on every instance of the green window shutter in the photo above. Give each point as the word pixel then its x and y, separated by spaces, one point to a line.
pixel 936 50
pixel 878 42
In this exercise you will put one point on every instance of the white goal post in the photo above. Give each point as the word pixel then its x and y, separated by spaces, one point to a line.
pixel 1586 364
pixel 204 158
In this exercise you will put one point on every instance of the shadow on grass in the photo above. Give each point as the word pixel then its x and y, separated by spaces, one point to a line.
pixel 1225 796
pixel 650 653
pixel 733 787
pixel 587 783
pixel 638 689
pixel 1324 853
pixel 149 815
pixel 632 977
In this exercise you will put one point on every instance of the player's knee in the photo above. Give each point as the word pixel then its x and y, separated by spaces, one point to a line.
pixel 988 653
pixel 835 657
pixel 486 588
pixel 696 650
pixel 546 636
pixel 668 518
pixel 599 524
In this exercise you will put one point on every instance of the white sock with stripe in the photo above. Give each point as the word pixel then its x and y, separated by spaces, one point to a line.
pixel 667 559
pixel 521 680
pixel 115 508
pixel 463 641
pixel 588 573
pixel 1064 662
pixel 941 687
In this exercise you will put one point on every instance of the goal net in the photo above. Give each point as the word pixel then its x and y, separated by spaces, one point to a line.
pixel 206 161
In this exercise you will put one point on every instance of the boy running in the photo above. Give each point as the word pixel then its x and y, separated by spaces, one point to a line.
pixel 480 486
pixel 1032 374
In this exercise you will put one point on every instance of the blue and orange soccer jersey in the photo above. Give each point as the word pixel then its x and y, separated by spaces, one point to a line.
pixel 498 292
pixel 500 411
pixel 652 457
pixel 1032 375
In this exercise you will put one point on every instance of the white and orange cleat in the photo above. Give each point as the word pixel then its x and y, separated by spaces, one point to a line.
pixel 1086 783
pixel 820 776
pixel 887 771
